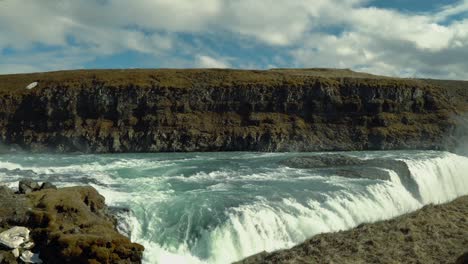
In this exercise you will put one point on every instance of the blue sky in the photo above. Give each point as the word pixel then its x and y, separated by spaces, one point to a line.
pixel 397 38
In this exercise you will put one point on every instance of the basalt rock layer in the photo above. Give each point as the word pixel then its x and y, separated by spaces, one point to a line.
pixel 226 110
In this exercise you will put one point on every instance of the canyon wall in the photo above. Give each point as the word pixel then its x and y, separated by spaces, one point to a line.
pixel 225 110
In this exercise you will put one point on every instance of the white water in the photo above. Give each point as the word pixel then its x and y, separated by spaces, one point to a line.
pixel 440 179
pixel 222 207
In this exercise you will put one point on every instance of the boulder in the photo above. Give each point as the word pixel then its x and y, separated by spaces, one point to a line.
pixel 333 160
pixel 14 237
pixel 68 225
pixel 351 167
pixel 47 185
pixel 73 226
pixel 27 186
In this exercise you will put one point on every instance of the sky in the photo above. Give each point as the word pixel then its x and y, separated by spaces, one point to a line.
pixel 406 38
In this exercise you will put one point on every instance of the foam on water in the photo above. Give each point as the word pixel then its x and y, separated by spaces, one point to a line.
pixel 440 179
pixel 219 208
pixel 266 226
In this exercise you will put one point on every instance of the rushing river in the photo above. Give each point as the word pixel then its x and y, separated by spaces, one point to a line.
pixel 221 207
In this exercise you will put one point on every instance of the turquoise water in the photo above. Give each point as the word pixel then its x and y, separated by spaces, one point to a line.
pixel 221 207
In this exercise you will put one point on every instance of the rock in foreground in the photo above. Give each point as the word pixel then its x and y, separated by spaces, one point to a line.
pixel 434 234
pixel 69 225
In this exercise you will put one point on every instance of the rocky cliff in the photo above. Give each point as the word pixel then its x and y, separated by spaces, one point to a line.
pixel 226 110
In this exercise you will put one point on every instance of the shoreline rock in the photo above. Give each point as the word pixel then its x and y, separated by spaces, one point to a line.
pixel 67 225
pixel 433 234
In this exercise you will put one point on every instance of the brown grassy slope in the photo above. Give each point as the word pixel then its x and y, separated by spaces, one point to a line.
pixel 457 90
pixel 186 78
pixel 329 73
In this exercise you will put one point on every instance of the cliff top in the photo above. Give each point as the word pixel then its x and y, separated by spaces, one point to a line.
pixel 186 78
pixel 189 78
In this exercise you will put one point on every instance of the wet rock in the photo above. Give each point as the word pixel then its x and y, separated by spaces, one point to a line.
pixel 27 186
pixel 363 172
pixel 47 185
pixel 121 215
pixel 308 162
pixel 351 167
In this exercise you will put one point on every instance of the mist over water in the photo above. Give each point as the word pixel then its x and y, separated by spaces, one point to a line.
pixel 221 207
pixel 461 135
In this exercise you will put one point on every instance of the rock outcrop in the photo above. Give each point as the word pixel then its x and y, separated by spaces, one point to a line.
pixel 226 110
pixel 68 225
pixel 434 234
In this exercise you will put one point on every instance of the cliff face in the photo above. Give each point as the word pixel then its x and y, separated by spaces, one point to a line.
pixel 214 110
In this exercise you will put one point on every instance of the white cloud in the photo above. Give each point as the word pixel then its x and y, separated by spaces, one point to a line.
pixel 203 61
pixel 384 41
pixel 389 42
pixel 269 21
pixel 45 61
pixel 419 30
pixel 451 10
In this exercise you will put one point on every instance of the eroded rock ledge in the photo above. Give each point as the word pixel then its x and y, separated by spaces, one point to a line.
pixel 68 225
pixel 434 234
pixel 352 167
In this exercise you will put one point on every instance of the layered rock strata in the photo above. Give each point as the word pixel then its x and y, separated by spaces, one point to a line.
pixel 226 110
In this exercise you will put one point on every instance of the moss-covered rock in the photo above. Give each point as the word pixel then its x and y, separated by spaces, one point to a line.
pixel 72 226
pixel 68 225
